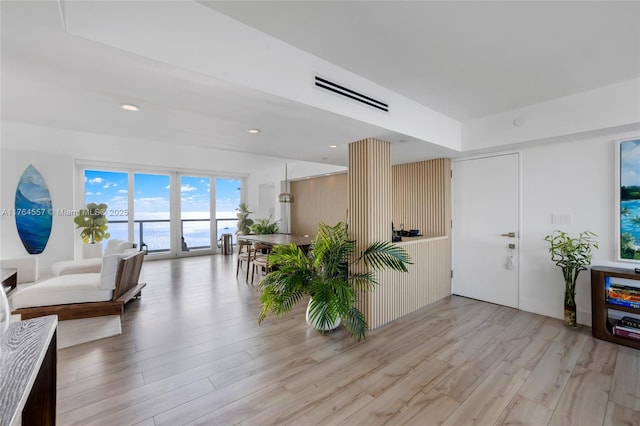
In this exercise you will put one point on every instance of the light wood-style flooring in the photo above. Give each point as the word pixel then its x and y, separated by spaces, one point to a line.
pixel 191 352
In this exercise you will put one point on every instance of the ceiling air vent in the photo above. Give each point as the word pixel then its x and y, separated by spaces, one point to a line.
pixel 323 83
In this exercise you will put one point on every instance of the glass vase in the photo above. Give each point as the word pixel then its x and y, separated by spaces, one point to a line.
pixel 570 309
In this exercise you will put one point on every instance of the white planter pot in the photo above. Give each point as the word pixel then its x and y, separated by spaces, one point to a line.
pixel 333 326
pixel 90 251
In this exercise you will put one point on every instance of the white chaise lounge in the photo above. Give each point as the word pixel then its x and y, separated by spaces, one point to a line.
pixel 92 265
pixel 26 266
pixel 84 295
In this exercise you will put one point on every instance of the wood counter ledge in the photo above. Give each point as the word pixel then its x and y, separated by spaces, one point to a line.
pixel 28 372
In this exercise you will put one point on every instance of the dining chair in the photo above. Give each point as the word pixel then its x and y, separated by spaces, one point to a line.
pixel 245 254
pixel 260 260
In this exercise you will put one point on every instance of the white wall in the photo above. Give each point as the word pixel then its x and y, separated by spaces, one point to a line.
pixel 575 178
pixel 567 154
pixel 57 171
pixel 596 111
pixel 54 152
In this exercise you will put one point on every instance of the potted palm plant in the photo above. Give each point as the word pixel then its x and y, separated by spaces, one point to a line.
pixel 243 219
pixel 325 274
pixel 264 226
pixel 93 222
pixel 572 255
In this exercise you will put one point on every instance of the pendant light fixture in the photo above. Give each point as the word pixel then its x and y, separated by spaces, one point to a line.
pixel 286 197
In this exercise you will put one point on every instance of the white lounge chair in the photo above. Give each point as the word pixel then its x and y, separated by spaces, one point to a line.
pixel 83 266
pixel 84 295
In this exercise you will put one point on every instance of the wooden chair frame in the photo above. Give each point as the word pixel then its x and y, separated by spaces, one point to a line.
pixel 244 256
pixel 127 288
pixel 260 261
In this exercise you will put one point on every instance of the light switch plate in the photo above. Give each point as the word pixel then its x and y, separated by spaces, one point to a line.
pixel 561 219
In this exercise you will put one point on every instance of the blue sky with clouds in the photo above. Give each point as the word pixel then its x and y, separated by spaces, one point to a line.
pixel 630 163
pixel 152 192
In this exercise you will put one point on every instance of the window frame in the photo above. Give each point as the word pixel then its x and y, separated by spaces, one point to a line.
pixel 174 200
pixel 618 198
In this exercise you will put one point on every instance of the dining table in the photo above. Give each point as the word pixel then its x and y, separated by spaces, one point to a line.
pixel 303 241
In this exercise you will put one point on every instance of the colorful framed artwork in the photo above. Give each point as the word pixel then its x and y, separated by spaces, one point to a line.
pixel 628 199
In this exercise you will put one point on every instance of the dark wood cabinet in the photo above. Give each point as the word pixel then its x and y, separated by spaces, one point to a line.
pixel 602 328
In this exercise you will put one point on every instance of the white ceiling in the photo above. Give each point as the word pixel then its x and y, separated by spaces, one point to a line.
pixel 464 59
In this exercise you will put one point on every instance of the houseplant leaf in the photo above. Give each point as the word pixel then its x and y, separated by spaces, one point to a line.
pixel 325 275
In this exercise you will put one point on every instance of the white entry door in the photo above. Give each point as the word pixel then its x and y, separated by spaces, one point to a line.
pixel 486 229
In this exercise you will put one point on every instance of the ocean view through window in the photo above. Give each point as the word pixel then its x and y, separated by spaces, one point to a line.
pixel 170 213
pixel 227 200
pixel 111 188
pixel 151 211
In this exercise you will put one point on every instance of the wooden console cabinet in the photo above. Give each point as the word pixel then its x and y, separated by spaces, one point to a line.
pixel 601 327
pixel 28 372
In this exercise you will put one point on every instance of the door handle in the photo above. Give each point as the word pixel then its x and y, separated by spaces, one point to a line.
pixel 509 234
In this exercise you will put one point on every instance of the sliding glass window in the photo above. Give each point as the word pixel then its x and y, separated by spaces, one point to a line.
pixel 166 213
pixel 151 207
pixel 227 200
pixel 195 213
pixel 110 188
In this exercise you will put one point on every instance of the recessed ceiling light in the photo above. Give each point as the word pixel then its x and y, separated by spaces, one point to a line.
pixel 333 146
pixel 129 107
pixel 254 131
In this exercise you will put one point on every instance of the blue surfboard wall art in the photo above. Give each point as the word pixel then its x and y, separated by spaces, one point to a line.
pixel 34 215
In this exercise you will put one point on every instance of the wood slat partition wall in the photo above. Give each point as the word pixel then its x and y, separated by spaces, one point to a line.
pixel 370 199
pixel 417 195
pixel 428 280
pixel 422 196
pixel 321 199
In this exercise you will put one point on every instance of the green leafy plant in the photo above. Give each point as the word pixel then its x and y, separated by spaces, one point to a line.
pixel 326 274
pixel 243 219
pixel 572 255
pixel 264 226
pixel 93 222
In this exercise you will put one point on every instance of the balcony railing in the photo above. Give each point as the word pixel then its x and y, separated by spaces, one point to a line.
pixel 155 233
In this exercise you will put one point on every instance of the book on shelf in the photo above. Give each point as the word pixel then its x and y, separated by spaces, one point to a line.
pixel 623 282
pixel 622 292
pixel 616 314
pixel 628 332
pixel 625 303
pixel 630 322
